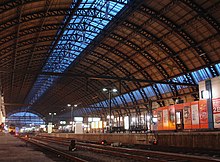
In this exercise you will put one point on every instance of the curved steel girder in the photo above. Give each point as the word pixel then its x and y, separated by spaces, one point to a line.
pixel 88 97
pixel 178 29
pixel 140 93
pixel 8 83
pixel 31 41
pixel 131 95
pixel 113 63
pixel 76 36
pixel 93 13
pixel 62 49
pixel 29 17
pixel 98 108
pixel 5 6
pixel 196 48
pixel 22 64
pixel 100 66
pixel 60 96
pixel 204 14
pixel 19 18
pixel 80 26
pixel 148 35
pixel 27 50
pixel 28 31
pixel 103 68
pixel 162 45
pixel 135 47
pixel 68 46
pixel 71 92
pixel 132 62
pixel 122 69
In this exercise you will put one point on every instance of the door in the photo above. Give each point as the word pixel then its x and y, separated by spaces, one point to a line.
pixel 179 119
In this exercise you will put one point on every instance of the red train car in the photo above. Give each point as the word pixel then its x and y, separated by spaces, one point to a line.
pixel 192 115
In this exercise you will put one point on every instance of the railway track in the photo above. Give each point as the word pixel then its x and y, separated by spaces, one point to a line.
pixel 61 149
pixel 57 152
pixel 128 153
pixel 188 151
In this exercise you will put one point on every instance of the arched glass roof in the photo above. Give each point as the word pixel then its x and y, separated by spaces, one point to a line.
pixel 89 20
pixel 66 51
pixel 198 76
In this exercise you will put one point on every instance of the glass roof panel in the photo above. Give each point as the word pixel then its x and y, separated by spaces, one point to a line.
pixel 163 88
pixel 217 66
pixel 149 91
pixel 127 97
pixel 119 101
pixel 137 95
pixel 180 79
pixel 201 75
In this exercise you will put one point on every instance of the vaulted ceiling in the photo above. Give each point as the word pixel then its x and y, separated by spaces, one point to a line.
pixel 54 52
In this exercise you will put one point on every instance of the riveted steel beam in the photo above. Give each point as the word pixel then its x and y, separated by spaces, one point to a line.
pixel 26 31
pixel 99 77
pixel 8 5
pixel 26 18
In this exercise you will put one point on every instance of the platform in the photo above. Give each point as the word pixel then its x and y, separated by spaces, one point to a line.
pixel 201 140
pixel 12 149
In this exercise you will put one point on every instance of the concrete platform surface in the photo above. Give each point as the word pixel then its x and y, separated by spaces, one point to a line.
pixel 14 150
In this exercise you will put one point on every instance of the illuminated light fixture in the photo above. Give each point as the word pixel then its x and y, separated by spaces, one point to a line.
pixel 202 54
pixel 52 113
pixel 109 90
pixel 148 117
pixel 110 117
pixel 52 116
pixel 114 90
pixel 71 114
pixel 205 94
pixel 154 119
pixel 105 89
pixel 62 122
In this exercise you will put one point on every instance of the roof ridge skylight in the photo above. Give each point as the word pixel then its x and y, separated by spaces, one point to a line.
pixel 77 36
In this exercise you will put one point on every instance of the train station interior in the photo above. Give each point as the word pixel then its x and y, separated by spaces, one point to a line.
pixel 137 73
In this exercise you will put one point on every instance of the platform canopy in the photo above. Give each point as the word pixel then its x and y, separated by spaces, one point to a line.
pixel 59 52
